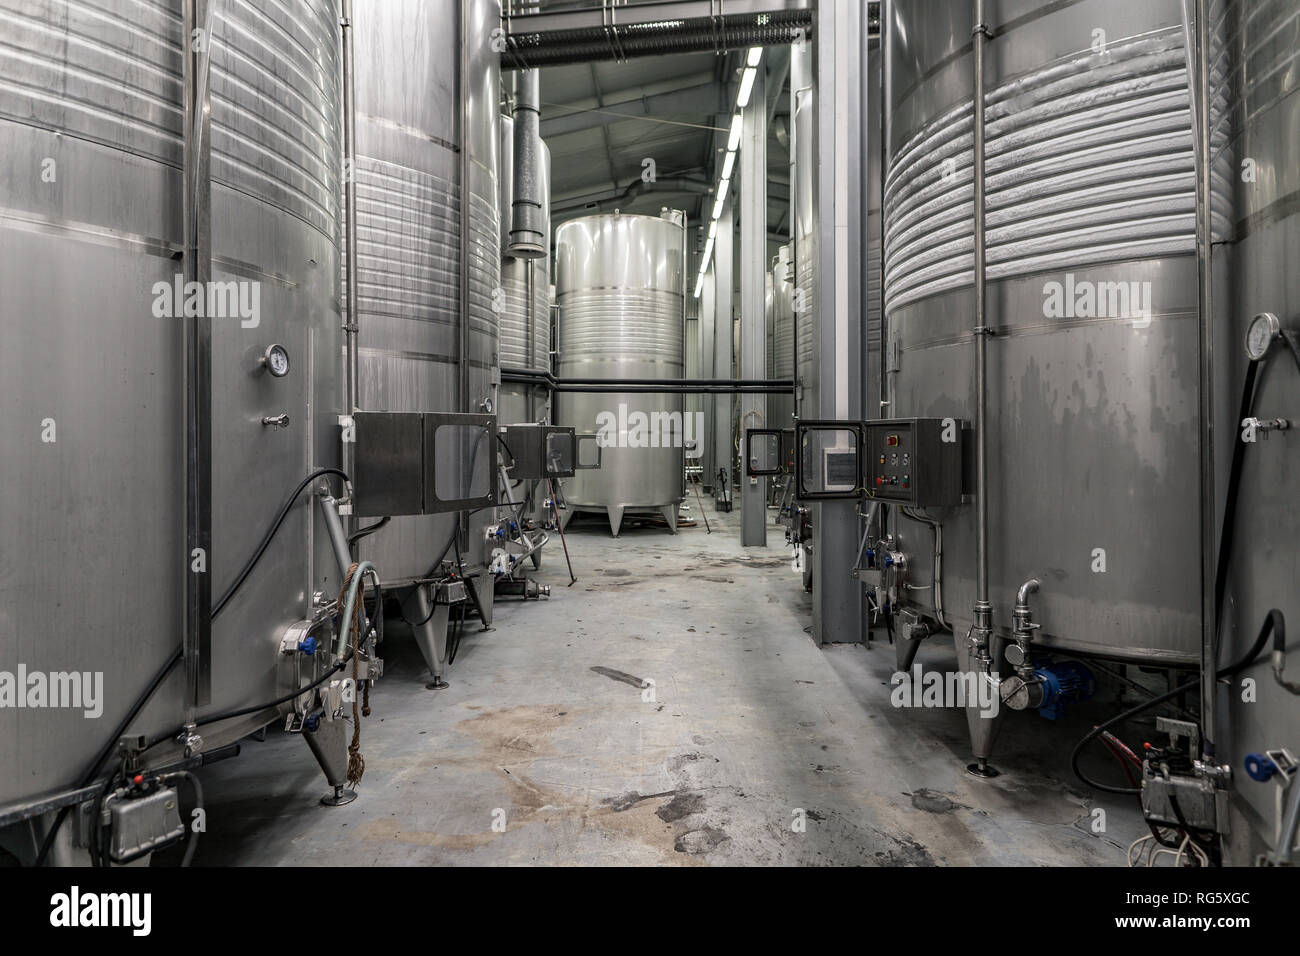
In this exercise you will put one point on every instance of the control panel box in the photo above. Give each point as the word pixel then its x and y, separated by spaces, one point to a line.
pixel 540 451
pixel 421 463
pixel 913 461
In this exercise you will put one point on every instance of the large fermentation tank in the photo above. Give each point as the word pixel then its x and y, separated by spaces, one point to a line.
pixel 428 269
pixel 619 287
pixel 780 407
pixel 1092 410
pixel 1256 126
pixel 92 505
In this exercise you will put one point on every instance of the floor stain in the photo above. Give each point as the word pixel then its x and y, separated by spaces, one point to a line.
pixel 621 676
pixel 701 841
pixel 932 801
pixel 680 806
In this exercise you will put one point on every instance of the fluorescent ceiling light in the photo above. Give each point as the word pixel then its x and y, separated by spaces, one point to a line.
pixel 717 208
pixel 722 190
pixel 728 164
pixel 755 55
pixel 708 251
pixel 746 88
pixel 713 228
pixel 734 139
pixel 699 285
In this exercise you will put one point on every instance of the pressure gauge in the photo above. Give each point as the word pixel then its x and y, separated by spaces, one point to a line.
pixel 1264 328
pixel 276 360
pixel 486 405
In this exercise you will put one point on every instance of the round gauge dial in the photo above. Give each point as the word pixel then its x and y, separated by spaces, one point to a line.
pixel 1264 328
pixel 276 360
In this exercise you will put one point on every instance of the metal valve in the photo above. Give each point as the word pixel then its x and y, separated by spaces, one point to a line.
pixel 276 421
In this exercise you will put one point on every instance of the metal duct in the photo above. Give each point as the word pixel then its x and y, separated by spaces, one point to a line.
pixel 528 226
pixel 695 35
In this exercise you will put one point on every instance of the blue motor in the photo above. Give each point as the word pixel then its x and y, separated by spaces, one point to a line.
pixel 1049 689
pixel 1064 682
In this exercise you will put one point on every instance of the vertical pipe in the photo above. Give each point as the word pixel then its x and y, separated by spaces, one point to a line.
pixel 350 208
pixel 197 372
pixel 462 138
pixel 527 230
pixel 983 611
pixel 351 399
pixel 753 327
pixel 1205 344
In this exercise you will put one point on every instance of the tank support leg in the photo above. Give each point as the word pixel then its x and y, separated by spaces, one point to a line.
pixel 670 515
pixel 329 745
pixel 984 713
pixel 615 519
pixel 431 635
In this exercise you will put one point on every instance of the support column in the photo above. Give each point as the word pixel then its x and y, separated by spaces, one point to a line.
pixel 753 315
pixel 722 357
pixel 837 597
pixel 706 323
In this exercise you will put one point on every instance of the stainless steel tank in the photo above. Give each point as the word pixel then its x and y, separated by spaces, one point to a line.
pixel 1092 408
pixel 1256 126
pixel 428 227
pixel 92 505
pixel 619 287
pixel 780 408
pixel 525 336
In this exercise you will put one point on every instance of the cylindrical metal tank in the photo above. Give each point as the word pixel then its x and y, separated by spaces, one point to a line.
pixel 619 287
pixel 1256 126
pixel 428 221
pixel 804 209
pixel 525 336
pixel 780 408
pixel 91 366
pixel 1092 401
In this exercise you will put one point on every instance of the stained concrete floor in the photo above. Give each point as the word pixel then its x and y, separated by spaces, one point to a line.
pixel 751 729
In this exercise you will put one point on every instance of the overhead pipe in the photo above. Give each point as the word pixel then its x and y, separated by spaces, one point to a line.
pixel 666 385
pixel 635 190
pixel 528 230
pixel 529 49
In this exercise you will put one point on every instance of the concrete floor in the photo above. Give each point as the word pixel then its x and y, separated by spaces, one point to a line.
pixel 752 727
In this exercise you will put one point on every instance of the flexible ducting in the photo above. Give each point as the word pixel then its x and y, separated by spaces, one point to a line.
pixel 528 227
pixel 527 51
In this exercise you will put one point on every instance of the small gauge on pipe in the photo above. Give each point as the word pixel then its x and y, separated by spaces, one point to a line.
pixel 1263 331
pixel 276 360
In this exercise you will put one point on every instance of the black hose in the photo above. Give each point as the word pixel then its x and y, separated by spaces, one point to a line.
pixel 265 543
pixel 369 529
pixel 1228 532
pixel 192 835
pixel 1272 622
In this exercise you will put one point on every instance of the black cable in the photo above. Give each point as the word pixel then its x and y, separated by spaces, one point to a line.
pixel 369 529
pixel 506 447
pixel 192 836
pixel 265 543
pixel 1228 532
pixel 1270 622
